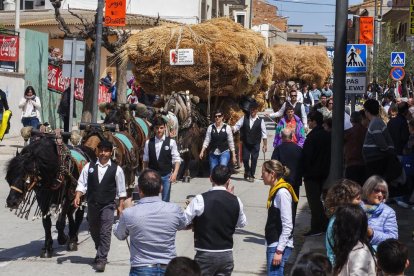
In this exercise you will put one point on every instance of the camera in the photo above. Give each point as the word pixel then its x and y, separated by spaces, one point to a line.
pixel 135 196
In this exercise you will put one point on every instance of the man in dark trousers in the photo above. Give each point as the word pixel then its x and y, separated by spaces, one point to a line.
pixel 252 131
pixel 215 216
pixel 161 155
pixel 290 155
pixel 63 110
pixel 104 181
pixel 398 128
pixel 316 156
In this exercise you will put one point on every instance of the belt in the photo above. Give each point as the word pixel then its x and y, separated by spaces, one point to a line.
pixel 163 266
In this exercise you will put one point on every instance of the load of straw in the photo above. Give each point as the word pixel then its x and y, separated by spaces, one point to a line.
pixel 228 59
pixel 302 63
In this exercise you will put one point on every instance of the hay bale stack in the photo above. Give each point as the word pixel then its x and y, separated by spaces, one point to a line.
pixel 304 63
pixel 240 62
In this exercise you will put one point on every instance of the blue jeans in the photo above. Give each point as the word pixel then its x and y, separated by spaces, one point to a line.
pixel 146 271
pixel 222 159
pixel 276 270
pixel 166 187
pixel 31 121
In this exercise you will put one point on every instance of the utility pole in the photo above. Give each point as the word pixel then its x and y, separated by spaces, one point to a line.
pixel 375 46
pixel 97 65
pixel 337 143
pixel 17 14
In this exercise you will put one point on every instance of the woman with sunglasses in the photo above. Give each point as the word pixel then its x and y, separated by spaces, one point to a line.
pixel 219 137
pixel 382 222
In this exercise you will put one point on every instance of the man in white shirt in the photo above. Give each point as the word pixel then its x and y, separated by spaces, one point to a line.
pixel 161 155
pixel 215 216
pixel 104 181
pixel 298 108
pixel 252 131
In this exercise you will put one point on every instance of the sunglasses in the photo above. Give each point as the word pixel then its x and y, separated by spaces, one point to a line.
pixel 293 95
pixel 330 103
pixel 218 116
pixel 378 190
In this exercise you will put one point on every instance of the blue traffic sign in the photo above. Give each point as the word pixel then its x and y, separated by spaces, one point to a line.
pixel 356 58
pixel 397 59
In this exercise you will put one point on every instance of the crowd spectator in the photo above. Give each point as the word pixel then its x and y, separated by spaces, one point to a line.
pixel 3 104
pixel 409 147
pixel 343 192
pixel 214 216
pixel 55 55
pixel 220 139
pixel 30 105
pixel 353 142
pixel 102 181
pixel 320 104
pixel 298 108
pixel 252 131
pixel 312 264
pixel 281 205
pixel 353 253
pixel 316 156
pixel 161 154
pixel 316 93
pixel 307 98
pixel 326 110
pixel 398 129
pixel 182 266
pixel 392 257
pixel 152 225
pixel 382 221
pixel 290 154
pixel 388 102
pixel 132 98
pixel 326 90
pixel 294 124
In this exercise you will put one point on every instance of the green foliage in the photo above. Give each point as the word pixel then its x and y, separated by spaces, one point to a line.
pixel 382 66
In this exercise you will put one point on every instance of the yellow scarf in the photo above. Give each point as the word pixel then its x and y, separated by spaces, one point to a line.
pixel 281 183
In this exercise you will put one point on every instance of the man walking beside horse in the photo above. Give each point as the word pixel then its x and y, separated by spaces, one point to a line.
pixel 104 181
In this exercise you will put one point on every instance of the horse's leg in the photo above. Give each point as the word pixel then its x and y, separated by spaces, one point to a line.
pixel 74 224
pixel 48 249
pixel 60 227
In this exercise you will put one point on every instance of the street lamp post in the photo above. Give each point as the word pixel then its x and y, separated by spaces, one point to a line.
pixel 341 18
pixel 97 67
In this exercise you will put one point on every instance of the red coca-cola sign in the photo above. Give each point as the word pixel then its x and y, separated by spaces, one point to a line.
pixel 9 48
pixel 58 83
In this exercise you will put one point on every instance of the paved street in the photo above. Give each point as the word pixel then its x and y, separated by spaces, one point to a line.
pixel 22 240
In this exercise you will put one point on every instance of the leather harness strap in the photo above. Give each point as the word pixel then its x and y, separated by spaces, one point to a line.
pixel 16 189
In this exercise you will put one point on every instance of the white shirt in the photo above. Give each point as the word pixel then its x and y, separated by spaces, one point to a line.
pixel 240 122
pixel 283 202
pixel 227 129
pixel 196 208
pixel 119 178
pixel 30 108
pixel 158 144
pixel 281 112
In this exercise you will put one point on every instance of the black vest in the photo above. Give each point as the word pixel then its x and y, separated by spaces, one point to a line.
pixel 164 163
pixel 251 136
pixel 306 98
pixel 103 193
pixel 219 139
pixel 298 110
pixel 214 229
pixel 273 228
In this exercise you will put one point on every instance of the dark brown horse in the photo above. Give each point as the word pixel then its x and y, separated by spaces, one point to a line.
pixel 47 173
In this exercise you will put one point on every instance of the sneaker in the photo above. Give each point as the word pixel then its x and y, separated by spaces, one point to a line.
pixel 250 179
pixel 312 233
pixel 100 266
pixel 246 176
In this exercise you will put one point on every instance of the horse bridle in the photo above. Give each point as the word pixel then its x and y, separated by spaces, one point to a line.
pixel 28 188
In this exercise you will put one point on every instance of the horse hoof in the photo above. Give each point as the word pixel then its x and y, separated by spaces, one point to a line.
pixel 46 253
pixel 62 239
pixel 72 246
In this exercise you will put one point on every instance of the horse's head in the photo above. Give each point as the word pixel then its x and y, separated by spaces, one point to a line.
pixel 37 162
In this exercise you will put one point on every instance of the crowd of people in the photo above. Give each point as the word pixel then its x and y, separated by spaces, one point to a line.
pixel 361 228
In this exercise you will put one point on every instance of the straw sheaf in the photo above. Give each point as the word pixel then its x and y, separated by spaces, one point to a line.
pixel 306 63
pixel 234 52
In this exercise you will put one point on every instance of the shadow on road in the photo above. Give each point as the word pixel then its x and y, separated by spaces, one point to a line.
pixel 75 260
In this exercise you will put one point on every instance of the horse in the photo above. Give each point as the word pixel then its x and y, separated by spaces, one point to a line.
pixel 125 154
pixel 193 125
pixel 46 171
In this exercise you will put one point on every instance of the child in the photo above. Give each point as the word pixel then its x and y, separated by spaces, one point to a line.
pixel 392 257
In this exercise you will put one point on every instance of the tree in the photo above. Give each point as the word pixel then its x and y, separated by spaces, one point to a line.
pixel 87 31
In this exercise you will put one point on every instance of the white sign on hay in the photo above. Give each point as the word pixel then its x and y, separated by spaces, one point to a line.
pixel 182 57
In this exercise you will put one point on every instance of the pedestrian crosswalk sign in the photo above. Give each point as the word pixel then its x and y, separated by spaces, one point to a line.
pixel 398 59
pixel 356 58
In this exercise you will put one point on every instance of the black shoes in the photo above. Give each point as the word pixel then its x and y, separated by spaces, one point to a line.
pixel 248 178
pixel 100 266
pixel 312 233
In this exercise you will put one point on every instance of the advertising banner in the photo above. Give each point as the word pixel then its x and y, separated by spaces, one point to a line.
pixel 115 13
pixel 366 30
pixel 9 48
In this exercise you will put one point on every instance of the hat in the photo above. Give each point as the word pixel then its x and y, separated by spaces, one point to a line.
pixel 105 144
pixel 253 105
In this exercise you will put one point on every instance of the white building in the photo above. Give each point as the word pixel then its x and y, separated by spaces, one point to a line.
pixel 271 34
